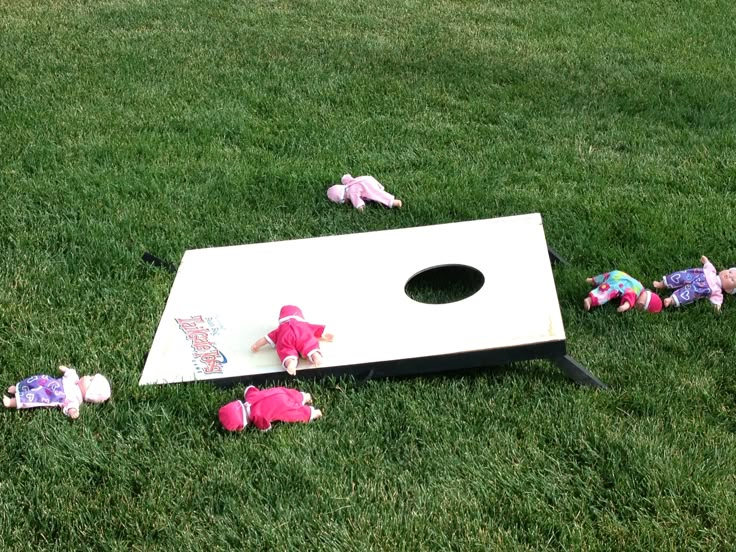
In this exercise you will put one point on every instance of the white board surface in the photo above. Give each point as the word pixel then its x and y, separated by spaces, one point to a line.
pixel 225 298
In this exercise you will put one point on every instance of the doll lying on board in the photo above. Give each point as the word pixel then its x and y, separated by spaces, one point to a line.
pixel 294 337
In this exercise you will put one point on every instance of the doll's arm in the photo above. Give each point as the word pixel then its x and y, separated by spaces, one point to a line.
pixel 260 422
pixel 71 408
pixel 355 199
pixel 258 344
pixel 68 372
pixel 707 265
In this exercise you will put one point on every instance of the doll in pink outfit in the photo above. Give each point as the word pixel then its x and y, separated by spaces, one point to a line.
pixel 260 407
pixel 359 190
pixel 698 283
pixel 293 338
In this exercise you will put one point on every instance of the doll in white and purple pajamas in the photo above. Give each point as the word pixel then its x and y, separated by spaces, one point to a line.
pixel 693 284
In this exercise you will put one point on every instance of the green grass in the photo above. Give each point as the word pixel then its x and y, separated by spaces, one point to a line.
pixel 173 125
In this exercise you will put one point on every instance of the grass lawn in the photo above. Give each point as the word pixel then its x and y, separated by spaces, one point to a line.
pixel 132 126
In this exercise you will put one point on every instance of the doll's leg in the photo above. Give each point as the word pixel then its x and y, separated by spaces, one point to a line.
pixel 316 358
pixel 680 278
pixel 11 389
pixel 290 365
pixel 682 296
pixel 9 402
pixel 598 296
pixel 315 415
pixel 306 398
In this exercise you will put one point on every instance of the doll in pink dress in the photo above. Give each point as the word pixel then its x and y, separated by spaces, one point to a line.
pixel 294 337
pixel 359 190
pixel 261 407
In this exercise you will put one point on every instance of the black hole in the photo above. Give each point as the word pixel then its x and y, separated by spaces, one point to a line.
pixel 444 284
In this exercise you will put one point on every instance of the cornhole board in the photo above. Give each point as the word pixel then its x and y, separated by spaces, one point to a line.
pixel 225 298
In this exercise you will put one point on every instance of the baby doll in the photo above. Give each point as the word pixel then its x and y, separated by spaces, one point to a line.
pixel 260 408
pixel 294 337
pixel 359 190
pixel 67 392
pixel 698 283
pixel 619 284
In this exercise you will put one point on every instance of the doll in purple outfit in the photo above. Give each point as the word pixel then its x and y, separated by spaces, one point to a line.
pixel 359 190
pixel 698 283
pixel 67 392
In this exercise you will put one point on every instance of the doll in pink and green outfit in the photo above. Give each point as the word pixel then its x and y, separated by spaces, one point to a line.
pixel 616 283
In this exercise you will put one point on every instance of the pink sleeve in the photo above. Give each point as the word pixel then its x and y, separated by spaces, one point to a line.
pixel 260 422
pixel 295 395
pixel 629 297
pixel 354 197
pixel 316 329
pixel 272 337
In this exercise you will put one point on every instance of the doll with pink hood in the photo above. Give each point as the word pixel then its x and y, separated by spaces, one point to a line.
pixel 294 337
pixel 262 407
pixel 67 392
pixel 359 190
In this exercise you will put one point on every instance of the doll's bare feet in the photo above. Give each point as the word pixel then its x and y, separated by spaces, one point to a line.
pixel 667 302
pixel 291 367
pixel 9 402
pixel 586 303
pixel 316 414
pixel 306 398
pixel 658 284
pixel 316 359
pixel 591 281
pixel 397 203
pixel 624 307
pixel 11 389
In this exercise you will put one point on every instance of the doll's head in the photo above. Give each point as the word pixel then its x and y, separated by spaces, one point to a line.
pixel 95 389
pixel 290 311
pixel 336 193
pixel 233 416
pixel 728 280
pixel 648 301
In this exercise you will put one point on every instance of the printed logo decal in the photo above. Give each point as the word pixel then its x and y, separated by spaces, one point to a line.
pixel 200 332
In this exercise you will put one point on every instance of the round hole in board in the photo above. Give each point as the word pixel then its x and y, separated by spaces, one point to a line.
pixel 443 284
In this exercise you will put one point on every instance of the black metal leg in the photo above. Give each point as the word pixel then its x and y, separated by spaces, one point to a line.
pixel 554 256
pixel 578 373
pixel 160 263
